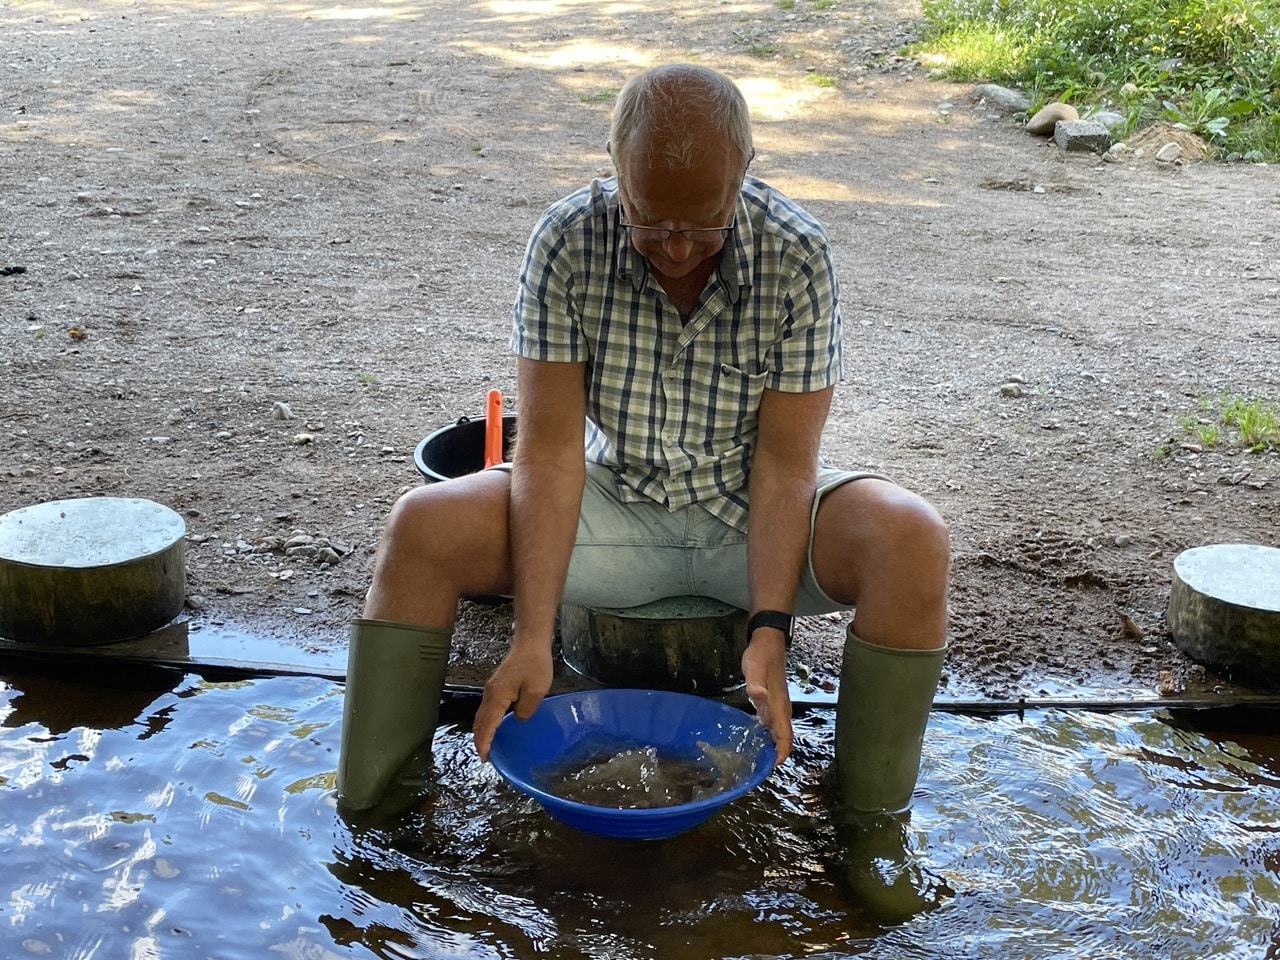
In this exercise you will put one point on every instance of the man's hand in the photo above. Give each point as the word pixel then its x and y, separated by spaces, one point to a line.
pixel 522 679
pixel 764 667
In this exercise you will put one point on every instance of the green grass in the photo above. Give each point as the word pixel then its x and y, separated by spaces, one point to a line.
pixel 1248 422
pixel 1256 421
pixel 822 80
pixel 1212 65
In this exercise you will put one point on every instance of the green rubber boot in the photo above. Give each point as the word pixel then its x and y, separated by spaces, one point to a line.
pixel 881 712
pixel 395 678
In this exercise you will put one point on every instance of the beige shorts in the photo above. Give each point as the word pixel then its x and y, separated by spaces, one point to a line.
pixel 629 554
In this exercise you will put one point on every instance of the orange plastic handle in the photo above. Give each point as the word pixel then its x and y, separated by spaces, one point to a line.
pixel 493 429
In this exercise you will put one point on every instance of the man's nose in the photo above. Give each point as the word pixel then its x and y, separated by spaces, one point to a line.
pixel 677 247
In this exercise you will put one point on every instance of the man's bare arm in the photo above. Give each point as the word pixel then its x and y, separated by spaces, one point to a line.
pixel 547 477
pixel 781 489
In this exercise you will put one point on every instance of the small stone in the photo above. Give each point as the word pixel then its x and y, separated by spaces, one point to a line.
pixel 1108 118
pixel 303 611
pixel 1011 390
pixel 280 410
pixel 1123 540
pixel 301 439
pixel 1081 135
pixel 1010 101
pixel 1048 116
pixel 1169 153
pixel 1130 629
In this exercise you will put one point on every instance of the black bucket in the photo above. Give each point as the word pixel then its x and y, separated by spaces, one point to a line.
pixel 458 449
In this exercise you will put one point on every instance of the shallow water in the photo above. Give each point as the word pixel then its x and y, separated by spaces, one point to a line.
pixel 617 773
pixel 178 817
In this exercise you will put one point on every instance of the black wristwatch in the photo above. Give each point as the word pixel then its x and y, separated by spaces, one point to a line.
pixel 772 618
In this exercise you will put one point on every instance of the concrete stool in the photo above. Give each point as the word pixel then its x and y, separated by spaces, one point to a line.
pixel 1224 610
pixel 688 644
pixel 90 570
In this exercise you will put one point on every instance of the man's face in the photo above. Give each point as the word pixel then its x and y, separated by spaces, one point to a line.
pixel 704 197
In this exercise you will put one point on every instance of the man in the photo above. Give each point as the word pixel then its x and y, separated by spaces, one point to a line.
pixel 687 316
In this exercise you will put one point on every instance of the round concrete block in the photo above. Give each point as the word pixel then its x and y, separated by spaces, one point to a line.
pixel 689 644
pixel 90 570
pixel 1224 610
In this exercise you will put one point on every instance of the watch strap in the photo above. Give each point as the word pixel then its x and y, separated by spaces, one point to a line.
pixel 772 618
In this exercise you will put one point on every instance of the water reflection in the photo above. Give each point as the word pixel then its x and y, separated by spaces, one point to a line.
pixel 191 818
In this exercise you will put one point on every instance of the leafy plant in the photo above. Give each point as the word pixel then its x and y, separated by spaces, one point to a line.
pixel 1211 65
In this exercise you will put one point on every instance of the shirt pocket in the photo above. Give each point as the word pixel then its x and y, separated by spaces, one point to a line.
pixel 731 401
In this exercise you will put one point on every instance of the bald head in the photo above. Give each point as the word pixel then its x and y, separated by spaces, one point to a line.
pixel 673 116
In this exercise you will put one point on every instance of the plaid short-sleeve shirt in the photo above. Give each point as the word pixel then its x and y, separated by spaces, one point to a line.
pixel 673 408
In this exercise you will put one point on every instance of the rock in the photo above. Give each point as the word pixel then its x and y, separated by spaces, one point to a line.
pixel 1047 117
pixel 1010 101
pixel 280 410
pixel 1109 119
pixel 1011 390
pixel 1081 135
pixel 1169 153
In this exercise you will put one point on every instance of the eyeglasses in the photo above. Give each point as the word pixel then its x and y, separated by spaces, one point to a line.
pixel 697 235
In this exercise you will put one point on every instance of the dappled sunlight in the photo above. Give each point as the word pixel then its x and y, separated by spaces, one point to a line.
pixel 542 9
pixel 583 52
pixel 538 9
pixel 807 189
pixel 553 65
pixel 771 99
pixel 387 10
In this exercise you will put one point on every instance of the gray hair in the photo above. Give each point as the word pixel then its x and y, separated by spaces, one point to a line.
pixel 689 101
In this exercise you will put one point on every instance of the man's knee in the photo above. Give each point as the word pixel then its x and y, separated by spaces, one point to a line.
pixel 440 520
pixel 872 527
pixel 913 524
